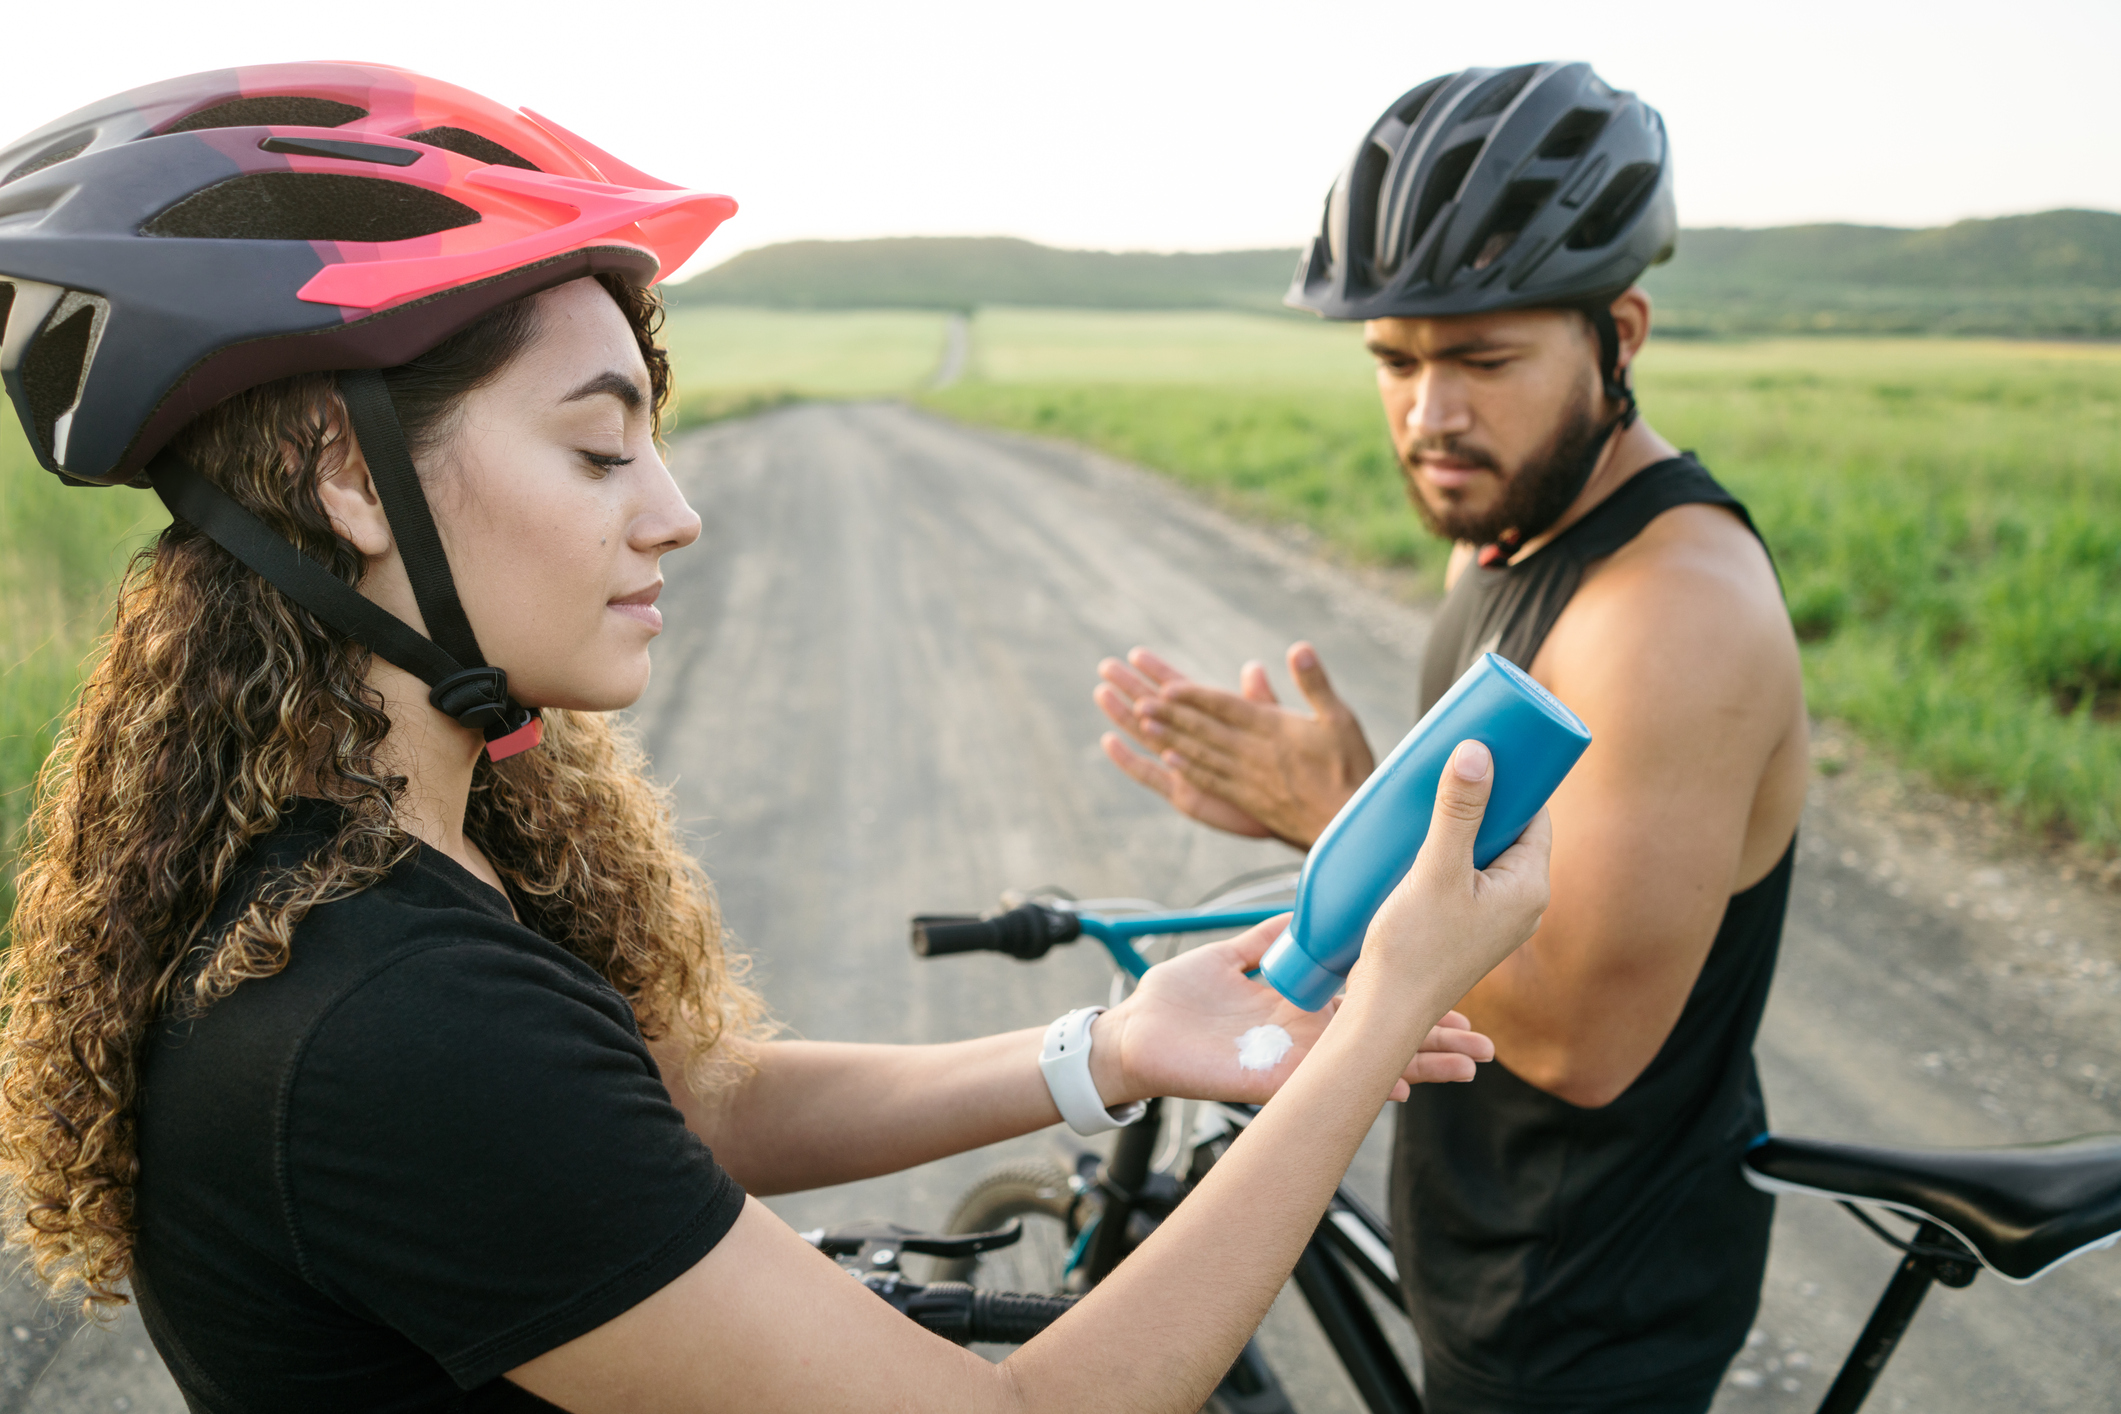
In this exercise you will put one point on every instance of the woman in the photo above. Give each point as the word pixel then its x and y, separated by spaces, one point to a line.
pixel 391 1053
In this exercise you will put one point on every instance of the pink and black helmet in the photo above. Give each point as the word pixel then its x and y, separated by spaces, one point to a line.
pixel 174 245
pixel 165 248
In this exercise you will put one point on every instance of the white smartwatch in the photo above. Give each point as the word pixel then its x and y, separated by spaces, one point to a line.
pixel 1065 1062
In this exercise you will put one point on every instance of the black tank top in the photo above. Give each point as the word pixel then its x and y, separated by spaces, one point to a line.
pixel 1555 1256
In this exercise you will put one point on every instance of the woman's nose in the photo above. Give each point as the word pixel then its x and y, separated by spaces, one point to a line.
pixel 669 522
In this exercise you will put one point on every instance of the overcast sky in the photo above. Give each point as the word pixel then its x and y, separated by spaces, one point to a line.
pixel 1147 125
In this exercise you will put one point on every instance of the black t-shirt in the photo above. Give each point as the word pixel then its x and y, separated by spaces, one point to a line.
pixel 430 1149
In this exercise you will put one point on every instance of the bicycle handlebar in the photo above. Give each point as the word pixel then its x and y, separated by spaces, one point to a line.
pixel 1026 932
pixel 1029 930
pixel 964 1314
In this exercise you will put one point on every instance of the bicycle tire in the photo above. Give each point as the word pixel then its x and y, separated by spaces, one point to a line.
pixel 1039 1193
pixel 1035 1190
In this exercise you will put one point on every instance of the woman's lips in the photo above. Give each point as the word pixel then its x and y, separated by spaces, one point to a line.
pixel 640 606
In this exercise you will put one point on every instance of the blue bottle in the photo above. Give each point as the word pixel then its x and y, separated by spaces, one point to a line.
pixel 1368 847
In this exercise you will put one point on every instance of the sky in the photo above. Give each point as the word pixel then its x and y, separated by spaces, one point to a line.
pixel 1182 126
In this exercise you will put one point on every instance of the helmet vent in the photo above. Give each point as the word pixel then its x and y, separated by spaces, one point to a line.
pixel 1444 182
pixel 1616 206
pixel 310 206
pixel 1498 92
pixel 1574 133
pixel 50 157
pixel 293 110
pixel 1361 217
pixel 1411 107
pixel 466 143
pixel 1520 203
pixel 51 370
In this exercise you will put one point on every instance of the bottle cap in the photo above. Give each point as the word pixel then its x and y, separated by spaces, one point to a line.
pixel 1292 972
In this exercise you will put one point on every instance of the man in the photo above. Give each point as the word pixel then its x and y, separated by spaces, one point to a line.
pixel 1572 1227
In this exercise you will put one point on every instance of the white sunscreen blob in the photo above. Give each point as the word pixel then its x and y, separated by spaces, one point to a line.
pixel 1262 1047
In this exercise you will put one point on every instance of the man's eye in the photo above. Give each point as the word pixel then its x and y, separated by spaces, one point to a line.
pixel 1487 365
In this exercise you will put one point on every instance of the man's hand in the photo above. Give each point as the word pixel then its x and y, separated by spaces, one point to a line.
pixel 1237 760
pixel 1177 1034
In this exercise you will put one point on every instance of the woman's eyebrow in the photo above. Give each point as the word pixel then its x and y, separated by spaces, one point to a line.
pixel 618 385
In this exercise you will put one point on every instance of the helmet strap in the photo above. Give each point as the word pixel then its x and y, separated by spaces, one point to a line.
pixel 476 695
pixel 382 440
pixel 1617 381
pixel 460 682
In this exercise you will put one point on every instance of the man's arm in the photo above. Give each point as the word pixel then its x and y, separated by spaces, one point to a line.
pixel 1678 656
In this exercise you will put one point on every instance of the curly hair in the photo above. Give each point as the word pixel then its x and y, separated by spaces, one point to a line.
pixel 185 748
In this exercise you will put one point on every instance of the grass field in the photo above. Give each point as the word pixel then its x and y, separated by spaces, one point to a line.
pixel 1947 514
pixel 729 359
pixel 1207 347
pixel 61 551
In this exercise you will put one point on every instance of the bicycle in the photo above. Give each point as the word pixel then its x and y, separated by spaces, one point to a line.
pixel 2020 1211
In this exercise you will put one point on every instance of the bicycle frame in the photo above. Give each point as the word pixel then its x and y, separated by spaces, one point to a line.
pixel 1351 1241
pixel 1118 931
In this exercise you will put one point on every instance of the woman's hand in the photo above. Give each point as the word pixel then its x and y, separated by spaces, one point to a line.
pixel 1449 924
pixel 1178 1034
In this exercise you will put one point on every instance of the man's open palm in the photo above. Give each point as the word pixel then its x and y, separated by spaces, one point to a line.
pixel 1237 760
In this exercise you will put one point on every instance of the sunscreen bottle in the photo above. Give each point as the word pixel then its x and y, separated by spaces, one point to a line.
pixel 1368 847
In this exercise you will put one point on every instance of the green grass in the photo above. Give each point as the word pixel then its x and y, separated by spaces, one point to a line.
pixel 1947 514
pixel 1197 346
pixel 729 359
pixel 61 551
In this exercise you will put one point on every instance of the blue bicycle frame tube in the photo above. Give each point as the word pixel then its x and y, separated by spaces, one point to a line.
pixel 1118 932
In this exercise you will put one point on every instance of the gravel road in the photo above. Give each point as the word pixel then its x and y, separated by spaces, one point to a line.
pixel 873 699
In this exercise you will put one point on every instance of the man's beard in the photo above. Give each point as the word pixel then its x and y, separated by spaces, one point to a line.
pixel 1532 499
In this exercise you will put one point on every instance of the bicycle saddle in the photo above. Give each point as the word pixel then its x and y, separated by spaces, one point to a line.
pixel 2024 1209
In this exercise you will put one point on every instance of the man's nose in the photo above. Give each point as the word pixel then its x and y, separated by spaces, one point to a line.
pixel 1440 408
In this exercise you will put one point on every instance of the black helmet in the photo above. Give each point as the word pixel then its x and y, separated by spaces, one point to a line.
pixel 1494 189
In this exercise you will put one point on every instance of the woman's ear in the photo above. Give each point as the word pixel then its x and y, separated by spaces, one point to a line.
pixel 349 497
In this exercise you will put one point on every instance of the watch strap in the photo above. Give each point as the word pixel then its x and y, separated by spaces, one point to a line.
pixel 1064 1060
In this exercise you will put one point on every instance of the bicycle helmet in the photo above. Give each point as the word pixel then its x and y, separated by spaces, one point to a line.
pixel 1494 189
pixel 174 245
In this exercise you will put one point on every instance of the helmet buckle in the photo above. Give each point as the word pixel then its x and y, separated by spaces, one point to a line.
pixel 476 697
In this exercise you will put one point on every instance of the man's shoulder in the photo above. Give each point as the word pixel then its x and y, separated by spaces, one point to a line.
pixel 1694 567
pixel 1687 612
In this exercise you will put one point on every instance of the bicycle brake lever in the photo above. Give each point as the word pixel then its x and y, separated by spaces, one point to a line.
pixel 849 1241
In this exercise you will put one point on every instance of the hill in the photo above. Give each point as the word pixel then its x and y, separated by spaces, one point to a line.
pixel 2053 274
pixel 964 272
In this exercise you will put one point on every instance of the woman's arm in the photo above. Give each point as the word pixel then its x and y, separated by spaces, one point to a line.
pixel 817 1113
pixel 764 1322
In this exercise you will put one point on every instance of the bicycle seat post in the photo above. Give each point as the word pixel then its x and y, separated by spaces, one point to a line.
pixel 1928 1260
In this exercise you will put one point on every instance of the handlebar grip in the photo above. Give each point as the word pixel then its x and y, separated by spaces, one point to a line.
pixel 960 1313
pixel 1025 932
pixel 1011 1318
pixel 939 934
